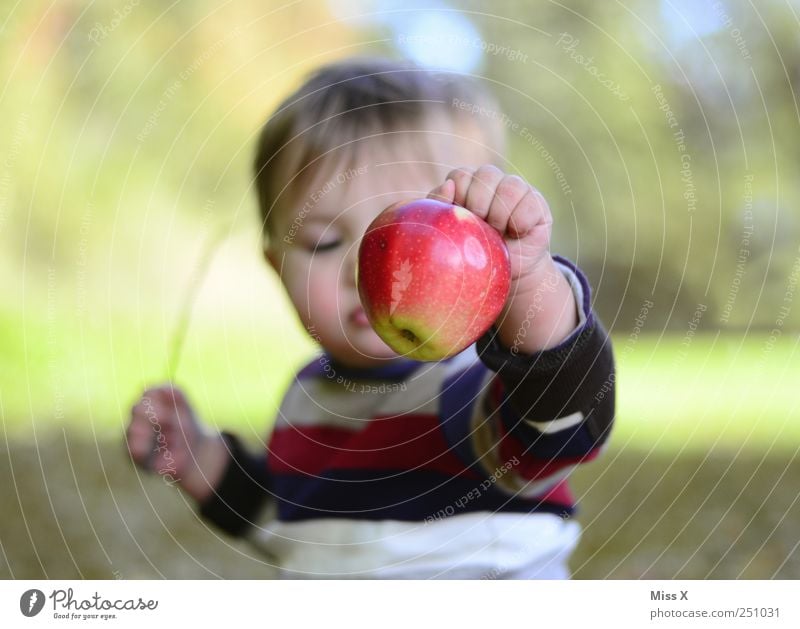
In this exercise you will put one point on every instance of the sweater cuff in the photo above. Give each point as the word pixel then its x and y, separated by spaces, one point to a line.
pixel 242 491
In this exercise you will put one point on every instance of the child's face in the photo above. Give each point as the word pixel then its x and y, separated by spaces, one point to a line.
pixel 314 245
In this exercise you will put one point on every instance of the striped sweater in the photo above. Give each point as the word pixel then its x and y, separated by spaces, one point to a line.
pixel 454 469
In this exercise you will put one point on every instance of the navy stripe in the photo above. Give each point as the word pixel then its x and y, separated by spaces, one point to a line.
pixel 323 365
pixel 457 402
pixel 408 496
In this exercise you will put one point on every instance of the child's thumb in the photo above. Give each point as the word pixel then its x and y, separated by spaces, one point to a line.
pixel 445 192
pixel 139 440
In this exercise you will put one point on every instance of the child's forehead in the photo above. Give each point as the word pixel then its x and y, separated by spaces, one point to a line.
pixel 373 172
pixel 361 176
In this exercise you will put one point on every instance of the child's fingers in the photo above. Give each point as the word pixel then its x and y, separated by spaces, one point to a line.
pixel 178 434
pixel 461 178
pixel 521 222
pixel 161 428
pixel 174 402
pixel 166 403
pixel 139 438
pixel 445 192
pixel 151 417
pixel 174 396
pixel 481 190
pixel 531 212
pixel 507 195
pixel 163 395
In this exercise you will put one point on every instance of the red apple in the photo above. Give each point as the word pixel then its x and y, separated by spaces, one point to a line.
pixel 432 278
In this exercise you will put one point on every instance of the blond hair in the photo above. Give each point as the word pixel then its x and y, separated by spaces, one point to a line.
pixel 346 102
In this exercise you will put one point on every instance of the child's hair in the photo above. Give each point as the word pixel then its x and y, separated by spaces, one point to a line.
pixel 348 101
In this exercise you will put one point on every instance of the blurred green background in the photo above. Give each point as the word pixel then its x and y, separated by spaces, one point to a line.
pixel 664 135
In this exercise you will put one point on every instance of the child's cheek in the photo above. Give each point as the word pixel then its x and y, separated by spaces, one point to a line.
pixel 323 291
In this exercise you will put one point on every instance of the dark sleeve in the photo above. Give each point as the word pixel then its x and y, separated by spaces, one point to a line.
pixel 558 402
pixel 242 492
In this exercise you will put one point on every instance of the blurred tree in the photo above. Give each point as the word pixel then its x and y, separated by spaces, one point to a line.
pixel 131 127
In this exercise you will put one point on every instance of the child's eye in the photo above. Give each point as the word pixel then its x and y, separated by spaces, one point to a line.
pixel 326 246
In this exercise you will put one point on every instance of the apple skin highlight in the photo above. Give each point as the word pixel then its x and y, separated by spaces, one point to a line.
pixel 432 278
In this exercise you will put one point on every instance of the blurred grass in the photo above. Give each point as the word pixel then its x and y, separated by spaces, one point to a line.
pixel 696 515
pixel 88 380
pixel 719 390
pixel 77 508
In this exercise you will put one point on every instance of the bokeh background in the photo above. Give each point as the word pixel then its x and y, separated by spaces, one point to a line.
pixel 664 134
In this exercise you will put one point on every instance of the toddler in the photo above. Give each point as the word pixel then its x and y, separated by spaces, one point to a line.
pixel 379 466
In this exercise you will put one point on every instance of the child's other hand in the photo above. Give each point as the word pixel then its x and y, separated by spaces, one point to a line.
pixel 164 436
pixel 509 204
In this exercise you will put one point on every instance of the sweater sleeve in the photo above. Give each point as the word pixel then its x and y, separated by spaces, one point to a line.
pixel 242 493
pixel 539 415
pixel 560 401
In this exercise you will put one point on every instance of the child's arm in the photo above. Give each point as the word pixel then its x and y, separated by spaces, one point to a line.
pixel 551 404
pixel 165 437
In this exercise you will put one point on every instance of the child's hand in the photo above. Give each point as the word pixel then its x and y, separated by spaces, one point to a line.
pixel 509 204
pixel 541 310
pixel 164 436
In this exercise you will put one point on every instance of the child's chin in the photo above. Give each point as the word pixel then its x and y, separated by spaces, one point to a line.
pixel 371 350
pixel 378 351
pixel 369 343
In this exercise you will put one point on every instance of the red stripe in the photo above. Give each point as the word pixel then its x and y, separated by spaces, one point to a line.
pixel 498 391
pixel 530 467
pixel 390 443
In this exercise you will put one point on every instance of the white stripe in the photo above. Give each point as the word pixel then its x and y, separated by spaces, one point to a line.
pixel 577 290
pixel 461 362
pixel 352 404
pixel 557 425
pixel 534 489
pixel 462 546
pixel 486 445
pixel 321 402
